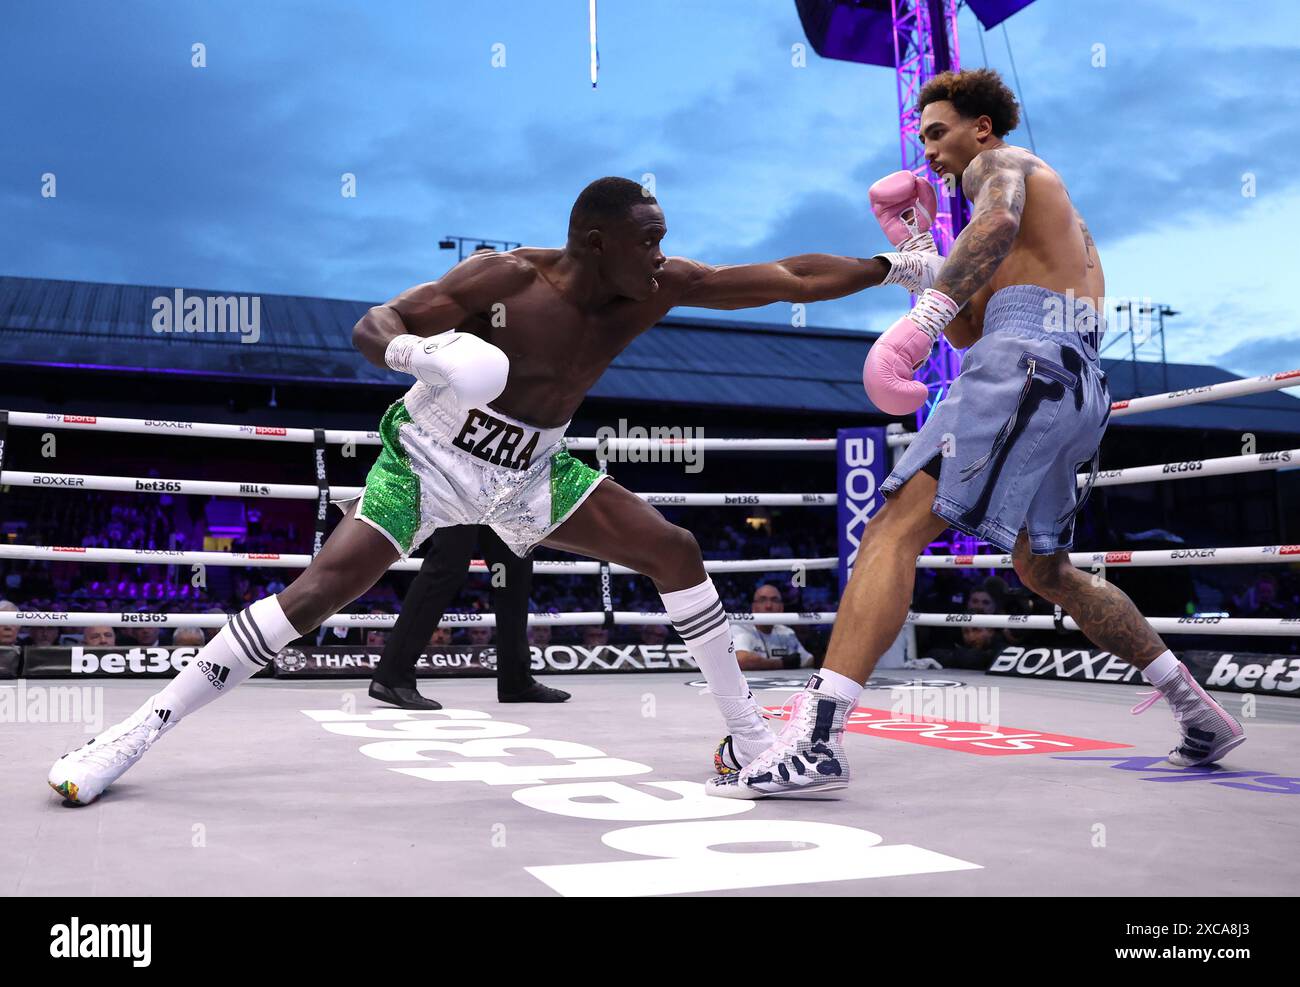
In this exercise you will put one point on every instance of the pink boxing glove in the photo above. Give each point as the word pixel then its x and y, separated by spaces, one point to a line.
pixel 893 359
pixel 905 206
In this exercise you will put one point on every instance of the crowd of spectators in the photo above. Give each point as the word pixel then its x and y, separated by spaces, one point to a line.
pixel 124 521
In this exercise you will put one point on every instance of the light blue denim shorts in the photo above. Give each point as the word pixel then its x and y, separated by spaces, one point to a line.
pixel 1024 417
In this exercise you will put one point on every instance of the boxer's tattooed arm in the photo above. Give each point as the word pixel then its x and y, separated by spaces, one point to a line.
pixel 995 182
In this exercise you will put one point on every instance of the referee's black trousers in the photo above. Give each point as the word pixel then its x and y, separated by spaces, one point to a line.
pixel 446 564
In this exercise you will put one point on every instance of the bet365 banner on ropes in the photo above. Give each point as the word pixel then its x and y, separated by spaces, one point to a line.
pixel 343 661
pixel 861 465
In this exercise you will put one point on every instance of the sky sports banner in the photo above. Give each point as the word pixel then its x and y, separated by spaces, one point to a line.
pixel 1237 671
pixel 861 465
pixel 343 661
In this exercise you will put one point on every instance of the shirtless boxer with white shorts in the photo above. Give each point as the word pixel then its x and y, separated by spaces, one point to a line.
pixel 504 348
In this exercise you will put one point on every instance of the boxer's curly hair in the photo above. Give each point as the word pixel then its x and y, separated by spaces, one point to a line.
pixel 975 93
pixel 606 199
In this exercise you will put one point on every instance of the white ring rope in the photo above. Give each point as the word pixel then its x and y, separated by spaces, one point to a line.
pixel 333 436
pixel 1208 392
pixel 1119 409
pixel 198 430
pixel 1285 459
pixel 1248 555
pixel 1265 626
pixel 273 560
pixel 303 491
pixel 1177 399
pixel 97 618
pixel 1185 625
pixel 1275 626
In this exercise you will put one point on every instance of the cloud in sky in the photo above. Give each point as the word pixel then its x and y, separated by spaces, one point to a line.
pixel 229 176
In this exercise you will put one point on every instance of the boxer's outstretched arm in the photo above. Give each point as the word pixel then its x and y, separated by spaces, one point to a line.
pixel 474 285
pixel 995 182
pixel 806 278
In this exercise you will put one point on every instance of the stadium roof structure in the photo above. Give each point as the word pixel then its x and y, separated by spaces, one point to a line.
pixel 683 360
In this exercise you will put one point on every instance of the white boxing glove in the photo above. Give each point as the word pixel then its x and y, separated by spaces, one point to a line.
pixel 473 368
pixel 915 270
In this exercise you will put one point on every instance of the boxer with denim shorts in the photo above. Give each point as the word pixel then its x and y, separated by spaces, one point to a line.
pixel 1024 417
pixel 1000 456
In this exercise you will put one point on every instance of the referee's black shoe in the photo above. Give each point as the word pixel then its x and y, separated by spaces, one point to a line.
pixel 401 696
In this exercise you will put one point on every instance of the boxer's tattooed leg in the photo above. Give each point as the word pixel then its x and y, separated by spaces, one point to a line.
pixel 1103 611
pixel 1111 621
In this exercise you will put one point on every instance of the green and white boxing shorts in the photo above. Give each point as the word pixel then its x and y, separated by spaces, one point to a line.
pixel 442 465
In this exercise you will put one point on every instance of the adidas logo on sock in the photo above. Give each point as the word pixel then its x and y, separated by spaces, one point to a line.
pixel 216 674
pixel 163 714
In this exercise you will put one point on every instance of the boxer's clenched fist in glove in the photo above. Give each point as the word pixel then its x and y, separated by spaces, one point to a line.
pixel 904 204
pixel 473 368
pixel 893 359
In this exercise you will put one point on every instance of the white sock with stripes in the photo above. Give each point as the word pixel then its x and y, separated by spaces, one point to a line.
pixel 248 642
pixel 698 617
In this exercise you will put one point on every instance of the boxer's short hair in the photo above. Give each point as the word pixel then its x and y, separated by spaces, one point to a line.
pixel 607 199
pixel 975 93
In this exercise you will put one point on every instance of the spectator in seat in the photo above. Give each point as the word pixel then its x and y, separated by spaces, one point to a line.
pixel 211 632
pixel 1267 603
pixel 43 636
pixel 8 632
pixel 989 597
pixel 766 646
pixel 146 636
pixel 654 635
pixel 99 636
pixel 188 637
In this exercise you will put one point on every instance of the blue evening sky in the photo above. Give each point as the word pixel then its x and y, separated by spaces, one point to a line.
pixel 228 177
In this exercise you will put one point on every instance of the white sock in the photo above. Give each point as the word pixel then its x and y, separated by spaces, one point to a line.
pixel 698 617
pixel 837 685
pixel 250 640
pixel 1162 669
